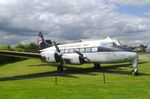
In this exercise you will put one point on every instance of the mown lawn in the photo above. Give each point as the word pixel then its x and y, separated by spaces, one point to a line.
pixel 31 79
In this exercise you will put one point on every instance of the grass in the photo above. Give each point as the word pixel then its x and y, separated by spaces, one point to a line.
pixel 31 79
pixel 143 52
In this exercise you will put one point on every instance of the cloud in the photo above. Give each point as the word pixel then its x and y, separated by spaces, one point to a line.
pixel 21 20
pixel 131 2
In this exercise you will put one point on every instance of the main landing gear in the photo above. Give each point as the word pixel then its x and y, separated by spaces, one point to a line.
pixel 97 66
pixel 59 68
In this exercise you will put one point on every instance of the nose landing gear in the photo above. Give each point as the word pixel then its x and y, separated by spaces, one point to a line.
pixel 135 72
pixel 135 65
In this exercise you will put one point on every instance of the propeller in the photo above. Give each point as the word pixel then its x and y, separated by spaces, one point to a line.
pixel 80 54
pixel 60 66
pixel 57 48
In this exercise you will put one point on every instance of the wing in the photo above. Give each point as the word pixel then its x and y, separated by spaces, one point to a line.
pixel 20 54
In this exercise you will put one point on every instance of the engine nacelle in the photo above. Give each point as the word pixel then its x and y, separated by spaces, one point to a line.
pixel 73 59
pixel 50 56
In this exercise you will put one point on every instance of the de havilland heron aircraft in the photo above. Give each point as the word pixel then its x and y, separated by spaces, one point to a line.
pixel 96 52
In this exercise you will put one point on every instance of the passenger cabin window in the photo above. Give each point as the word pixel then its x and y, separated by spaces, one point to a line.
pixel 66 50
pixel 88 49
pixel 82 50
pixel 94 49
pixel 62 50
pixel 71 51
pixel 77 49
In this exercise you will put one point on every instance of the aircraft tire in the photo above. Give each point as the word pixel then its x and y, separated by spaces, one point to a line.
pixel 97 66
pixel 59 68
pixel 135 73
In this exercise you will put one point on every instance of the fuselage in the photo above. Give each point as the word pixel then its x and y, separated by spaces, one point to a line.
pixel 97 51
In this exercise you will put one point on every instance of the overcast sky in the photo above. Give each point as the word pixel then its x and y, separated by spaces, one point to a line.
pixel 65 20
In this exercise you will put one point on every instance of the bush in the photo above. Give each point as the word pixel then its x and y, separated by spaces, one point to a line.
pixel 32 47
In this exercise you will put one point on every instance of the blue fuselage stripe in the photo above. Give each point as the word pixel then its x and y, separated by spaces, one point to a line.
pixel 113 49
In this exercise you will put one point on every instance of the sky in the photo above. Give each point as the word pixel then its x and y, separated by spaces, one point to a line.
pixel 68 20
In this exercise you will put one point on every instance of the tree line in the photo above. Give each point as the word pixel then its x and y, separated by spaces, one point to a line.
pixel 31 47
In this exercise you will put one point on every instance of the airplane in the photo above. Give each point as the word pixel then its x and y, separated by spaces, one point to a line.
pixel 96 52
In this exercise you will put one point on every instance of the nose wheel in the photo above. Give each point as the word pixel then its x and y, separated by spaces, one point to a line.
pixel 135 72
pixel 135 66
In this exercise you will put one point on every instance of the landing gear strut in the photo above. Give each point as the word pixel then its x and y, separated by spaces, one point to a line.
pixel 60 68
pixel 135 66
pixel 97 66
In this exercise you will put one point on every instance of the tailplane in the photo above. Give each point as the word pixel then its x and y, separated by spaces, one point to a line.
pixel 41 42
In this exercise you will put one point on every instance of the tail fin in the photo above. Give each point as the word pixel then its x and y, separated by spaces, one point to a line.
pixel 41 42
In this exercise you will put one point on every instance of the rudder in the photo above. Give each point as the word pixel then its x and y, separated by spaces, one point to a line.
pixel 41 42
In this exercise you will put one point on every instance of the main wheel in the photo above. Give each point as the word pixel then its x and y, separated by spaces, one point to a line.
pixel 97 66
pixel 59 68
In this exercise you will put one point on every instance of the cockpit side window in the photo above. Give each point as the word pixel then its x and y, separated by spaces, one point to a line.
pixel 103 44
pixel 114 44
pixel 109 44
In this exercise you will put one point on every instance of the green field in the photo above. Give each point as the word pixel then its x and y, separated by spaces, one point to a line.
pixel 31 79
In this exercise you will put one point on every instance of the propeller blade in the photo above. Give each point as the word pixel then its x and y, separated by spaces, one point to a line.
pixel 60 66
pixel 80 54
pixel 57 48
pixel 88 59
